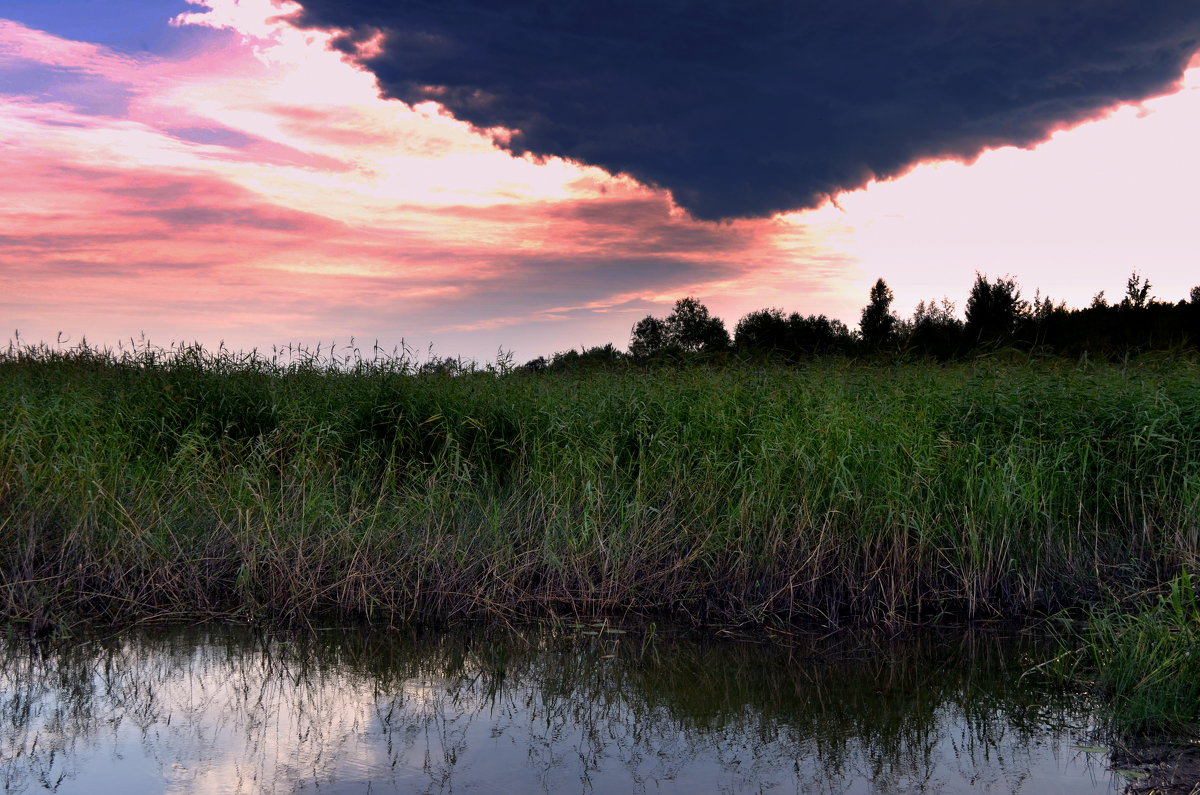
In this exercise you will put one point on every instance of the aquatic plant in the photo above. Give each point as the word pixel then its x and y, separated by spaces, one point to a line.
pixel 146 482
pixel 1145 662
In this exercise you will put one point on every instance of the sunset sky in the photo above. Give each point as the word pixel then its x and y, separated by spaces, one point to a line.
pixel 256 173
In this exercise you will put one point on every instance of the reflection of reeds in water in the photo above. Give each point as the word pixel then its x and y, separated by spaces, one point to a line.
pixel 548 708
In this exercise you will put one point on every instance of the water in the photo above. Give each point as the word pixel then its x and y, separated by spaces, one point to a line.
pixel 226 709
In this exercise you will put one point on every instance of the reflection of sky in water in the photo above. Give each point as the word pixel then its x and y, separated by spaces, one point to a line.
pixel 232 711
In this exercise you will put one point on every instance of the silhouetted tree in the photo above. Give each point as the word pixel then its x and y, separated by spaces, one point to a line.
pixel 1189 318
pixel 993 311
pixel 764 330
pixel 819 334
pixel 1137 292
pixel 688 329
pixel 935 330
pixel 995 315
pixel 878 323
pixel 537 365
pixel 598 356
pixel 446 365
pixel 767 330
pixel 695 331
pixel 649 337
pixel 1044 322
pixel 1043 308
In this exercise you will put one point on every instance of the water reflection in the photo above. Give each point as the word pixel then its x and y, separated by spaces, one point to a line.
pixel 235 710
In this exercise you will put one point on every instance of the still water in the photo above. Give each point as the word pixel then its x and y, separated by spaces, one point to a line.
pixel 227 709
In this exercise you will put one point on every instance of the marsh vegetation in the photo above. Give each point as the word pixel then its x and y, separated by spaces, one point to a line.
pixel 190 483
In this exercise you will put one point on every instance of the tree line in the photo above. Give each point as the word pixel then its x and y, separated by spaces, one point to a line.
pixel 996 317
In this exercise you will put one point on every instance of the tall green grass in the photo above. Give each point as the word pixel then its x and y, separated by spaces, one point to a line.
pixel 192 482
pixel 1145 661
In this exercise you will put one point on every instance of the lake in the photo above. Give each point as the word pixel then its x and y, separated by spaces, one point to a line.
pixel 563 708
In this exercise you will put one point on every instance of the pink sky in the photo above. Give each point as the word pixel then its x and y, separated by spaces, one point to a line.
pixel 258 191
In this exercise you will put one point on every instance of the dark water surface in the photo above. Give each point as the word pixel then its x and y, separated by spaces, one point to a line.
pixel 224 709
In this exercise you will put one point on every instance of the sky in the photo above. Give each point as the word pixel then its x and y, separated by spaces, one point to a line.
pixel 532 177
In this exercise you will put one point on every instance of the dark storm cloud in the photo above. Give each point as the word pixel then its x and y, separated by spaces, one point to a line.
pixel 747 107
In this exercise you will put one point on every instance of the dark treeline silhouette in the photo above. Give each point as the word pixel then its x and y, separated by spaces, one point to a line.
pixel 997 317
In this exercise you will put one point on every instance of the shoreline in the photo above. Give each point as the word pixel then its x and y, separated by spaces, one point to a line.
pixel 741 496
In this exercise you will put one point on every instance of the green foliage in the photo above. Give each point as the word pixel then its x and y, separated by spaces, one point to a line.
pixel 1146 662
pixel 198 482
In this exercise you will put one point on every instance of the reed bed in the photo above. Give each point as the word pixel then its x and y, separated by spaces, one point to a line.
pixel 1145 662
pixel 149 483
